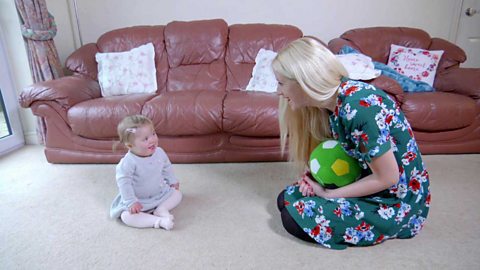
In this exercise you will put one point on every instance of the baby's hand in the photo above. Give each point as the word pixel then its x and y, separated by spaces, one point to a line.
pixel 176 186
pixel 136 208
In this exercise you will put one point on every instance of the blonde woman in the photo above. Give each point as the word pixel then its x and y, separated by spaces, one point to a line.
pixel 318 102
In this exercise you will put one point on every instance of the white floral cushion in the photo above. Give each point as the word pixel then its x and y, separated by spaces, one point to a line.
pixel 417 64
pixel 263 78
pixel 359 66
pixel 121 73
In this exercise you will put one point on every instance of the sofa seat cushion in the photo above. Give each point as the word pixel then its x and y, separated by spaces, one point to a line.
pixel 251 114
pixel 243 141
pixel 98 118
pixel 438 111
pixel 183 113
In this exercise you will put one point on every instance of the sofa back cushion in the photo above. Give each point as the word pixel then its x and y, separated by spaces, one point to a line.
pixel 196 55
pixel 125 39
pixel 375 41
pixel 244 42
pixel 82 61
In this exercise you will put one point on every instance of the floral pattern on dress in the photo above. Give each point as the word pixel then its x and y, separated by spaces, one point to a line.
pixel 322 232
pixel 367 115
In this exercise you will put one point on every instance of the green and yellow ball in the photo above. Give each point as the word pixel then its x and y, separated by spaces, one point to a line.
pixel 332 167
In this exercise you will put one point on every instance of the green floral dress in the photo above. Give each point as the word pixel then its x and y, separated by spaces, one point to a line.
pixel 367 115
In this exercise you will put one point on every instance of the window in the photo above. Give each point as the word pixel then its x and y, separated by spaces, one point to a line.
pixel 5 128
pixel 11 135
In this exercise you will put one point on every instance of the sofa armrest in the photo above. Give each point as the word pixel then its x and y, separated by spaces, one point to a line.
pixel 66 91
pixel 464 81
pixel 82 61
pixel 390 86
pixel 337 43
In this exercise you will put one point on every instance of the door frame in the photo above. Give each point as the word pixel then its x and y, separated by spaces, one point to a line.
pixel 16 139
pixel 457 13
pixel 455 30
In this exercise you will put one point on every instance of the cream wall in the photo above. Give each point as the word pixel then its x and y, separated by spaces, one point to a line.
pixel 325 19
pixel 321 18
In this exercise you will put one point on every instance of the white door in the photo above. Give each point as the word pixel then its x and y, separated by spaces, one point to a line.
pixel 11 135
pixel 468 35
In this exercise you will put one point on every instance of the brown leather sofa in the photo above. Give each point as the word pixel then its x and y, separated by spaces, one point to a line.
pixel 445 121
pixel 200 110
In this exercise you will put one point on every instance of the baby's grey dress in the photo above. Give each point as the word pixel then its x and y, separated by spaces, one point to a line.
pixel 143 179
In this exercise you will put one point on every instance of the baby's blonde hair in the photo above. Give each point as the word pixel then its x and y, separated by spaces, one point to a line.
pixel 127 127
pixel 318 72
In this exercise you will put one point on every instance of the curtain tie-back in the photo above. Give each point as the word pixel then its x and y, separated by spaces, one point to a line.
pixel 41 35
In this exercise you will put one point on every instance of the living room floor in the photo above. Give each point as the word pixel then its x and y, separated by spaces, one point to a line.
pixel 56 217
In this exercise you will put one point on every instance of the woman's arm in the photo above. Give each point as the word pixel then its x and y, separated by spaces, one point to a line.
pixel 385 173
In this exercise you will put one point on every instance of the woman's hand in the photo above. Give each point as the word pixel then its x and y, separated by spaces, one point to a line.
pixel 175 186
pixel 309 187
pixel 136 208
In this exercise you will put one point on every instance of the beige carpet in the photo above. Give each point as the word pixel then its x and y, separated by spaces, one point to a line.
pixel 56 217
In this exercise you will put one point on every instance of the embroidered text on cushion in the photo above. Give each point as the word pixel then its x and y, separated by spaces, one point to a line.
pixel 417 64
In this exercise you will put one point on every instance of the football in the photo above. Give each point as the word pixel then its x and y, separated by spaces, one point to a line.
pixel 332 167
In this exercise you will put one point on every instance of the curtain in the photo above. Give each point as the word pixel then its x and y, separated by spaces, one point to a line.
pixel 38 30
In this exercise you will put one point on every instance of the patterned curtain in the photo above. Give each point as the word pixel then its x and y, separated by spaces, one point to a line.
pixel 38 30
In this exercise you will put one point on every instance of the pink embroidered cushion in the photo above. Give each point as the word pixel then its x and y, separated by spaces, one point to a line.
pixel 263 78
pixel 121 73
pixel 417 64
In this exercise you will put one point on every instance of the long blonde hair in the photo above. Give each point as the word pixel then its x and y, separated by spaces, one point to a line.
pixel 319 74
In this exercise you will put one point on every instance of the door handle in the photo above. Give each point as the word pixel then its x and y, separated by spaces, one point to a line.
pixel 470 12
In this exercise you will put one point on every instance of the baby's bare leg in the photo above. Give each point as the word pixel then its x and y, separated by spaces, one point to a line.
pixel 171 202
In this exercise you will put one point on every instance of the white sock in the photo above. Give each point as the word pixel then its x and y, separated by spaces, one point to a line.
pixel 164 222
